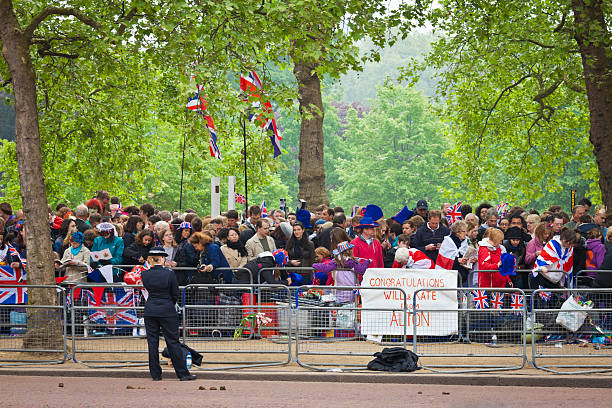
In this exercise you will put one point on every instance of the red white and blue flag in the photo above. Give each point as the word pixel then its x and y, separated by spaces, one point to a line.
pixel 554 257
pixel 264 210
pixel 212 141
pixel 118 303
pixel 518 303
pixel 544 295
pixel 13 294
pixel 239 198
pixel 196 103
pixel 250 83
pixel 453 213
pixel 481 301
pixel 497 300
pixel 23 261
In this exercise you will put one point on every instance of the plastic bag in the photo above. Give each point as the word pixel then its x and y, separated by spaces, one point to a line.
pixel 574 317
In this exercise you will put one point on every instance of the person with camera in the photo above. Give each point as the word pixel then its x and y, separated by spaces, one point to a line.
pixel 211 258
pixel 429 237
pixel 160 313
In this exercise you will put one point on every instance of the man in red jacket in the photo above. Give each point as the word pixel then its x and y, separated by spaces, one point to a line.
pixel 366 246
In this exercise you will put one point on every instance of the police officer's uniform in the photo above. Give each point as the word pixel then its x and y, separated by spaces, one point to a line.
pixel 160 312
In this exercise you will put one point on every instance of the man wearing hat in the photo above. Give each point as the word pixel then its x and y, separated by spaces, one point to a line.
pixel 366 246
pixel 421 209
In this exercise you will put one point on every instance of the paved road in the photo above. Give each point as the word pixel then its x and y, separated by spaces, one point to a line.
pixel 20 391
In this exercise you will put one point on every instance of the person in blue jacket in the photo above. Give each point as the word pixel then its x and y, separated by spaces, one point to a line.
pixel 107 239
pixel 211 258
pixel 160 313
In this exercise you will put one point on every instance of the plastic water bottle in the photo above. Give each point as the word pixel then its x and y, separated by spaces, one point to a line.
pixel 188 361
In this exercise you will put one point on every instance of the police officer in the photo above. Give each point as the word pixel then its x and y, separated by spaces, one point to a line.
pixel 159 312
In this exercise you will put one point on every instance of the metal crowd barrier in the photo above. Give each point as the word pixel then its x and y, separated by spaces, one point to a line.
pixel 238 326
pixel 127 268
pixel 32 334
pixel 301 270
pixel 325 327
pixel 108 325
pixel 570 338
pixel 484 332
pixel 586 277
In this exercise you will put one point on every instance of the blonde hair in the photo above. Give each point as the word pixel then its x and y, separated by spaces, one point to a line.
pixel 495 234
pixel 155 259
pixel 323 252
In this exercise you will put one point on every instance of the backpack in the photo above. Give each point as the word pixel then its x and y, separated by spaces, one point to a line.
pixel 394 359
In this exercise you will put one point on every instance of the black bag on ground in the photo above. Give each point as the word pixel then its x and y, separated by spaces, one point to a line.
pixel 395 360
pixel 196 358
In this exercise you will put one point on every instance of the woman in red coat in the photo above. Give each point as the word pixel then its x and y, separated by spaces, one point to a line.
pixel 489 259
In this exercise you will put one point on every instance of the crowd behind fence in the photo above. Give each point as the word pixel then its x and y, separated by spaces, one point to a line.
pixel 318 327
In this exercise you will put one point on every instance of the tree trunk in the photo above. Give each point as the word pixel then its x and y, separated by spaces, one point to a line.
pixel 311 176
pixel 593 38
pixel 44 327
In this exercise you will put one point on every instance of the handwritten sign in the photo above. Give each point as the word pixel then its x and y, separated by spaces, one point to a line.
pixel 429 322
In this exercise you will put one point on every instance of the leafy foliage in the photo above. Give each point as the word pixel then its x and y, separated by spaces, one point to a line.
pixel 515 107
pixel 395 153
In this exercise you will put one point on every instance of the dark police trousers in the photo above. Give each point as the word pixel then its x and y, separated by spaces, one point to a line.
pixel 170 327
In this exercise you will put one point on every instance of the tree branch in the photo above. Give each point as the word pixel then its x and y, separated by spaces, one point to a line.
pixel 128 17
pixel 539 44
pixel 501 95
pixel 59 11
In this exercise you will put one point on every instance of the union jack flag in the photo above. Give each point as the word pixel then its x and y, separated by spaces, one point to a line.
pixel 196 103
pixel 518 303
pixel 239 198
pixel 497 300
pixel 14 294
pixel 250 83
pixel 545 295
pixel 555 257
pixel 264 210
pixel 23 261
pixel 453 213
pixel 481 301
pixel 212 142
pixel 119 298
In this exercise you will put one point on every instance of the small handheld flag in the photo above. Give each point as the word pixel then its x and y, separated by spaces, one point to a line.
pixel 239 198
pixel 454 213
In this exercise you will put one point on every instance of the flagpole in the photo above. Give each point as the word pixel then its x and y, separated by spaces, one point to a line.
pixel 246 184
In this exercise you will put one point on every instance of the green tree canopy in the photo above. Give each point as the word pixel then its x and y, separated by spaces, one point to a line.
pixel 394 155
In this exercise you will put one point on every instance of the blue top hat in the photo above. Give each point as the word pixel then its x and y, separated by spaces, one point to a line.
pixel 303 216
pixel 403 215
pixel 372 211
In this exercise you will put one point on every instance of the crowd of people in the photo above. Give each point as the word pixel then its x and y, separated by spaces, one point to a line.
pixel 547 247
